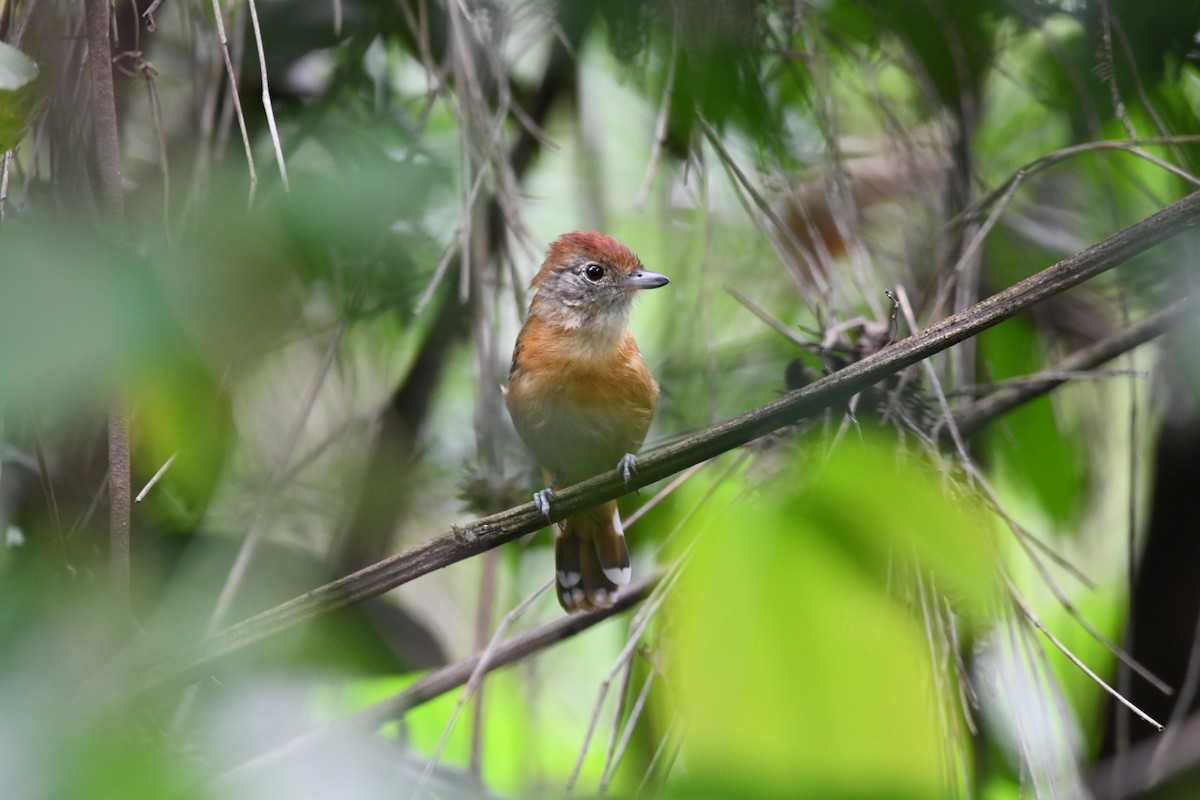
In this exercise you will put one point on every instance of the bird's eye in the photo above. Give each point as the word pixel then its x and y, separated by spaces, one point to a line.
pixel 593 272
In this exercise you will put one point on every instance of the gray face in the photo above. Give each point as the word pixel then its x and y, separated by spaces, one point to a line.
pixel 595 289
pixel 591 286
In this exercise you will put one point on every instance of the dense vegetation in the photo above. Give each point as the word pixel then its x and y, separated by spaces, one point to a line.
pixel 916 517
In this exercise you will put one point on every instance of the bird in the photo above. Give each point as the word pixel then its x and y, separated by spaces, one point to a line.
pixel 581 398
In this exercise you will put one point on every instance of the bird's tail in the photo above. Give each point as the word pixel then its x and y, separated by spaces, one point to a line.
pixel 591 559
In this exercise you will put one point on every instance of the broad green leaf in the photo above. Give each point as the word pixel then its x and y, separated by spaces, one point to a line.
pixel 800 666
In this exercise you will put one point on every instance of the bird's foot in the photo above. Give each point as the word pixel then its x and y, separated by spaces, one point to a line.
pixel 627 466
pixel 542 500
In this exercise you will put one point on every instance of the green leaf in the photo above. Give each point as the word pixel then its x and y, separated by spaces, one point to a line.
pixel 18 77
pixel 801 670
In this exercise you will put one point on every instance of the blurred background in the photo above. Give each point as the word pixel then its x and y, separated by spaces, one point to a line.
pixel 297 279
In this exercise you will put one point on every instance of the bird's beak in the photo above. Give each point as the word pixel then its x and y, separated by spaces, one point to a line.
pixel 645 279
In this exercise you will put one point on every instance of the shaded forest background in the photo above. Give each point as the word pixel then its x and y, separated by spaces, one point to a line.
pixel 917 514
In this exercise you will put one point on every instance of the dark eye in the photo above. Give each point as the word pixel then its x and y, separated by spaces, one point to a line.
pixel 593 272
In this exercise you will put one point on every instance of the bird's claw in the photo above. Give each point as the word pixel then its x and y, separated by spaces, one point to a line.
pixel 627 466
pixel 542 500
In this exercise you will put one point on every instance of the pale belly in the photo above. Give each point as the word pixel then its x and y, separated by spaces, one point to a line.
pixel 574 441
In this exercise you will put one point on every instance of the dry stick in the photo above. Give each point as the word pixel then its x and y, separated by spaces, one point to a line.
pixel 989 387
pixel 108 159
pixel 457 674
pixel 1037 623
pixel 266 95
pixel 464 541
pixel 937 675
pixel 1018 639
pixel 488 594
pixel 237 98
pixel 971 420
pixel 104 107
pixel 967 696
pixel 155 478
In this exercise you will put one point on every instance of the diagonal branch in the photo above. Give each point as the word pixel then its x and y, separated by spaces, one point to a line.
pixel 454 675
pixel 972 419
pixel 462 542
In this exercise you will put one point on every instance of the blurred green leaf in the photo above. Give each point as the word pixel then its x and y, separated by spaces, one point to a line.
pixel 801 671
pixel 18 77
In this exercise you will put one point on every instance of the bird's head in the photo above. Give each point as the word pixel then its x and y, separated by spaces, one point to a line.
pixel 589 281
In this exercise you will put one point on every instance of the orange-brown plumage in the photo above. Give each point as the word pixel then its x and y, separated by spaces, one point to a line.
pixel 582 399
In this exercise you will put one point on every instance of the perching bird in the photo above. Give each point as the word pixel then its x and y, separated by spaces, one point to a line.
pixel 582 400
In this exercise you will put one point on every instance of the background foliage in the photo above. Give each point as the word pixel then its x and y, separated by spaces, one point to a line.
pixel 298 279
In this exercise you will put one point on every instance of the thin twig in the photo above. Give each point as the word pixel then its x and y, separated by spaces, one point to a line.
pixel 155 478
pixel 266 94
pixel 972 419
pixel 1037 623
pixel 236 96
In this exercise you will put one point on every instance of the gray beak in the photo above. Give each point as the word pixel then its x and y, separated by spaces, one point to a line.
pixel 645 279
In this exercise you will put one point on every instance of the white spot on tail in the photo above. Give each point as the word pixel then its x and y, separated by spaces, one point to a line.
pixel 618 575
pixel 567 578
pixel 602 598
pixel 576 596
